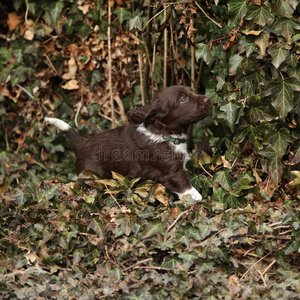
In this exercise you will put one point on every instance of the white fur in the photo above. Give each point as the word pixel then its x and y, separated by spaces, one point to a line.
pixel 158 138
pixel 58 123
pixel 192 192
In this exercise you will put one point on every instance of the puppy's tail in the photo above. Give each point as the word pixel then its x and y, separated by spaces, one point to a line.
pixel 74 139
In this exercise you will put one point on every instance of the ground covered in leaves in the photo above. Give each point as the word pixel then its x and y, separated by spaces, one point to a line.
pixel 133 241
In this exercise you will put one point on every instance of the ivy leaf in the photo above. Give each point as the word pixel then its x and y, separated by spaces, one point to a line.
pixel 203 267
pixel 49 193
pixel 206 228
pixel 283 9
pixel 188 258
pixel 286 28
pixel 279 55
pixel 136 22
pixel 237 10
pixel 84 30
pixel 231 113
pixel 55 10
pixel 282 95
pixel 262 42
pixel 279 141
pixel 234 62
pixel 123 15
pixel 259 113
pixel 171 262
pixel 259 14
pixel 275 166
pixel 222 177
pixel 20 196
pixel 153 228
pixel 97 227
pixel 93 78
pixel 202 51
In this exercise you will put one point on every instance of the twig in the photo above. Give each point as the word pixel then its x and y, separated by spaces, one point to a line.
pixel 138 263
pixel 165 47
pixel 153 268
pixel 24 90
pixel 207 16
pixel 255 264
pixel 112 196
pixel 176 220
pixel 262 277
pixel 163 10
pixel 192 57
pixel 205 170
pixel 49 61
pixel 110 67
pixel 269 266
pixel 77 112
pixel 26 13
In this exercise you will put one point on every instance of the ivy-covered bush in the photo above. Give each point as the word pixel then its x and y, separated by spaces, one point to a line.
pixel 88 62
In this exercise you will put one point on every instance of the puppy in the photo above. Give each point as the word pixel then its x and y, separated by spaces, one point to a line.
pixel 152 147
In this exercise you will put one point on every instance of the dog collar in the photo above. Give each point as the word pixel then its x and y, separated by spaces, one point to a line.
pixel 176 141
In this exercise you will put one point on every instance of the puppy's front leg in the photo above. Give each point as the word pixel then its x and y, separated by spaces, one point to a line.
pixel 192 192
pixel 179 184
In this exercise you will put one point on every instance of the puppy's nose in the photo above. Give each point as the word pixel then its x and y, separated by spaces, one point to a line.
pixel 206 100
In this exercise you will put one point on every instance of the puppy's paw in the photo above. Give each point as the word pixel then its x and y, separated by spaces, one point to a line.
pixel 192 192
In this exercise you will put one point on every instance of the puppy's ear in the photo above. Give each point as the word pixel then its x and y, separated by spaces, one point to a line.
pixel 141 114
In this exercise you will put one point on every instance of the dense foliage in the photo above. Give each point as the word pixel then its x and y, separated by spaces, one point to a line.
pixel 133 240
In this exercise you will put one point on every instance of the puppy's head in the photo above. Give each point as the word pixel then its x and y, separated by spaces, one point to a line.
pixel 173 109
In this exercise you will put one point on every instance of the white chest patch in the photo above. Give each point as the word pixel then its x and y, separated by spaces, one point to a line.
pixel 158 138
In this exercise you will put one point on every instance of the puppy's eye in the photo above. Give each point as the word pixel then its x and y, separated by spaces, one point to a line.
pixel 184 99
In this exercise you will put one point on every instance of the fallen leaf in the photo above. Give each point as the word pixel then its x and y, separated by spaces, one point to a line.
pixel 253 32
pixel 71 85
pixel 159 194
pixel 72 69
pixel 13 21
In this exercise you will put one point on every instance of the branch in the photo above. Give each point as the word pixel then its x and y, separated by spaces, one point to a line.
pixel 207 16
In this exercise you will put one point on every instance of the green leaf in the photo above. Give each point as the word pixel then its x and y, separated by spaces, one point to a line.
pixel 204 267
pixel 234 62
pixel 286 28
pixel 5 55
pixel 231 113
pixel 283 9
pixel 202 51
pixel 282 96
pixel 18 54
pixel 206 227
pixel 279 141
pixel 93 78
pixel 188 258
pixel 20 196
pixel 55 10
pixel 97 227
pixel 259 113
pixel 171 262
pixel 123 15
pixel 153 228
pixel 237 10
pixel 279 55
pixel 259 14
pixel 84 31
pixel 262 42
pixel 275 166
pixel 222 177
pixel 49 193
pixel 136 22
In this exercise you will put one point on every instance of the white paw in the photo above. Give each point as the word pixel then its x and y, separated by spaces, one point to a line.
pixel 192 192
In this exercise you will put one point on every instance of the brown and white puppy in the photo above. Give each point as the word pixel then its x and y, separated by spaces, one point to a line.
pixel 152 147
